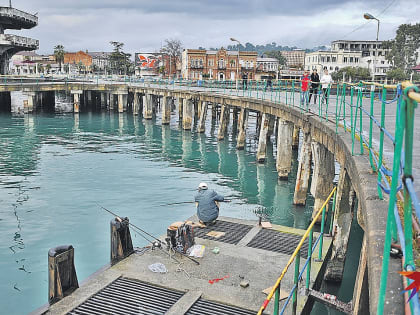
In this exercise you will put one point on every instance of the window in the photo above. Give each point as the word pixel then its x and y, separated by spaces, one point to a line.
pixel 345 59
pixel 334 59
pixel 328 59
pixel 356 59
pixel 351 59
pixel 322 59
pixel 382 62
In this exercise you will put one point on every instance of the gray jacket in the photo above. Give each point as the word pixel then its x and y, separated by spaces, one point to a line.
pixel 207 209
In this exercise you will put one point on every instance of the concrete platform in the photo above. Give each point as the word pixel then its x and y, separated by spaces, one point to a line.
pixel 235 262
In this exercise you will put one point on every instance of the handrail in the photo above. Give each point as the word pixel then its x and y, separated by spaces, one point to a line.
pixel 295 253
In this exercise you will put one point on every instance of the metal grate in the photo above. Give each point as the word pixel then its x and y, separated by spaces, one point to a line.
pixel 205 307
pixel 127 296
pixel 234 231
pixel 279 242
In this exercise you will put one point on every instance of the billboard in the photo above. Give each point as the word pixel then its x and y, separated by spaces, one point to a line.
pixel 148 61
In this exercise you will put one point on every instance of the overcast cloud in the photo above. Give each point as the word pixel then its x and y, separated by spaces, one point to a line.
pixel 144 25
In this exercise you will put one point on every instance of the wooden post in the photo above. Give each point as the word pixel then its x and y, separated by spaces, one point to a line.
pixel 121 244
pixel 62 277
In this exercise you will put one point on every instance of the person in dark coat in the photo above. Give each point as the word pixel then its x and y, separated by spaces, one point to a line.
pixel 314 85
pixel 207 204
pixel 245 81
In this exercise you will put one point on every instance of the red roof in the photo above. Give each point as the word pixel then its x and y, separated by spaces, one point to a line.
pixel 417 68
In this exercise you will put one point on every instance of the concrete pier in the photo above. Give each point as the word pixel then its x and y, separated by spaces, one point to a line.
pixel 187 114
pixel 341 228
pixel 76 100
pixel 271 125
pixel 122 102
pixel 296 132
pixel 103 100
pixel 242 125
pixel 323 174
pixel 203 116
pixel 224 112
pixel 304 171
pixel 166 110
pixel 284 148
pixel 180 106
pixel 136 104
pixel 30 104
pixel 147 106
pixel 262 141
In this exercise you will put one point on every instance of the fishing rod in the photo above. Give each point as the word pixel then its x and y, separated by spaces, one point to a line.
pixel 185 202
pixel 152 242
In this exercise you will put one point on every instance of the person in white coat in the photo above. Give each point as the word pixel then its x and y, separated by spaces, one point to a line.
pixel 326 82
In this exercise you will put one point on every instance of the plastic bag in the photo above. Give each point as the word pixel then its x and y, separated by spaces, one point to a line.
pixel 196 251
pixel 158 268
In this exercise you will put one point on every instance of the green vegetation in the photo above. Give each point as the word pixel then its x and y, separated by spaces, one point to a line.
pixel 119 60
pixel 59 54
pixel 172 48
pixel 276 54
pixel 351 74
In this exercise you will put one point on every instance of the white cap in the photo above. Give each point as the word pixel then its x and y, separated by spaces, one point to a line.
pixel 203 186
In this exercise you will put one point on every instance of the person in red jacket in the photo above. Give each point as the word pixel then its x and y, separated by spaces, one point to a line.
pixel 304 85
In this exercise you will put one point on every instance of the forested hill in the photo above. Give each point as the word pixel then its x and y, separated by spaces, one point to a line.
pixel 267 47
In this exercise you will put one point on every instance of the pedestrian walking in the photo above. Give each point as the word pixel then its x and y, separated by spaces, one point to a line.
pixel 304 86
pixel 314 85
pixel 326 81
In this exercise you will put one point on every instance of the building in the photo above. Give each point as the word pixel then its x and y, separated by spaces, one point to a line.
pixel 294 58
pixel 29 62
pixel 350 53
pixel 157 65
pixel 267 67
pixel 78 61
pixel 198 64
pixel 100 62
pixel 14 19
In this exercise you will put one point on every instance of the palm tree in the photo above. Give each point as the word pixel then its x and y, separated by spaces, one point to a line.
pixel 59 54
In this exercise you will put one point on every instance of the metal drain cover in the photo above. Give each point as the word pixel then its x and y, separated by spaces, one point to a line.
pixel 234 232
pixel 128 296
pixel 279 242
pixel 205 307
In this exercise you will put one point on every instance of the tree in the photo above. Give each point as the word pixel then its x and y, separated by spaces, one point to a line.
pixel 278 55
pixel 404 49
pixel 396 74
pixel 352 74
pixel 80 66
pixel 119 60
pixel 66 68
pixel 48 67
pixel 173 48
pixel 59 55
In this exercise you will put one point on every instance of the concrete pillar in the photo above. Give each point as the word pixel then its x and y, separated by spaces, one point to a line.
pixel 180 106
pixel 136 104
pixel 271 124
pixel 187 113
pixel 103 100
pixel 304 171
pixel 147 106
pixel 199 107
pixel 213 111
pixel 76 101
pixel 296 131
pixel 112 103
pixel 29 105
pixel 223 122
pixel 203 116
pixel 166 110
pixel 284 148
pixel 341 228
pixel 262 141
pixel 361 286
pixel 242 125
pixel 122 102
pixel 323 175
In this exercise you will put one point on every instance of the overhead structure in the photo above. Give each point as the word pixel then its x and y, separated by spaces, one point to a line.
pixel 14 19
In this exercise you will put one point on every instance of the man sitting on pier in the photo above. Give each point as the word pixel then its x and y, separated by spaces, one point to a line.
pixel 207 204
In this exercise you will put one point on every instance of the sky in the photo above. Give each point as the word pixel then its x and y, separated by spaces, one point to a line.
pixel 143 25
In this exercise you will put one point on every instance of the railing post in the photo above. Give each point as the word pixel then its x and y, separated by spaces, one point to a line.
pixel 352 127
pixel 381 141
pixel 296 281
pixel 321 235
pixel 308 271
pixel 277 301
pixel 332 213
pixel 372 100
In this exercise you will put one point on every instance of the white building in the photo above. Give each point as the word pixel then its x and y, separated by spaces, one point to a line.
pixel 267 67
pixel 100 60
pixel 349 53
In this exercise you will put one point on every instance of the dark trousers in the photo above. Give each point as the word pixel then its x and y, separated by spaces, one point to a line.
pixel 325 95
pixel 314 91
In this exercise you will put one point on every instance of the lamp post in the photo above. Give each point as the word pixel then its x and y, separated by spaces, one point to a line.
pixel 369 16
pixel 237 64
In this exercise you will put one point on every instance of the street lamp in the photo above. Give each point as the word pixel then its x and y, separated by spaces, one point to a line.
pixel 368 16
pixel 237 64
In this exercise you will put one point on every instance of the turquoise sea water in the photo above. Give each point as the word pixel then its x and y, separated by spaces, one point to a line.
pixel 56 169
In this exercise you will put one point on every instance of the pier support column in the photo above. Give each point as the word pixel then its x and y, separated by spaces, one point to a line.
pixel 262 141
pixel 223 122
pixel 103 100
pixel 76 100
pixel 213 111
pixel 122 102
pixel 323 175
pixel 341 228
pixel 187 113
pixel 112 102
pixel 136 104
pixel 296 131
pixel 147 106
pixel 199 108
pixel 166 110
pixel 180 108
pixel 29 105
pixel 304 172
pixel 242 125
pixel 271 125
pixel 284 148
pixel 203 117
